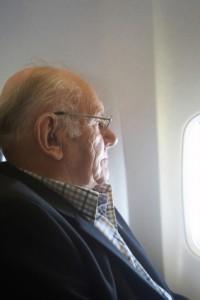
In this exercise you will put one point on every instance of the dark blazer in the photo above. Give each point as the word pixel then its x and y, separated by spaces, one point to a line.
pixel 48 251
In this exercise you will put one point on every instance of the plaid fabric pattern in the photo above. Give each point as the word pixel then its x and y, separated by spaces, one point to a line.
pixel 111 232
pixel 97 207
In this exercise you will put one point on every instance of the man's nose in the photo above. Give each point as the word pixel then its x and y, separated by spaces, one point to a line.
pixel 110 139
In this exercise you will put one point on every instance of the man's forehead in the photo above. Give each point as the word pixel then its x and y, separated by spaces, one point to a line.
pixel 91 105
pixel 90 102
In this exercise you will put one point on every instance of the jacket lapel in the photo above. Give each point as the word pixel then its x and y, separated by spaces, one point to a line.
pixel 131 275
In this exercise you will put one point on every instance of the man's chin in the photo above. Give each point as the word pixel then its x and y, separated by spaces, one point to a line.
pixel 103 179
pixel 97 182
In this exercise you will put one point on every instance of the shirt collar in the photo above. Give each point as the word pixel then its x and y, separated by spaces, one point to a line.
pixel 89 202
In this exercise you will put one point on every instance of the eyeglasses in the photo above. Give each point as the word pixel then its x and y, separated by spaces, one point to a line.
pixel 103 122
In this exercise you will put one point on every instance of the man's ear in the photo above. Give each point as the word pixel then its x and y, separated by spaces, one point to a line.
pixel 47 136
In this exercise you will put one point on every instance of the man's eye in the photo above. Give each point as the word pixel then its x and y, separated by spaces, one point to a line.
pixel 97 122
pixel 101 124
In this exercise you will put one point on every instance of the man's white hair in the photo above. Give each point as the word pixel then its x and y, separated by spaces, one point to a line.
pixel 43 88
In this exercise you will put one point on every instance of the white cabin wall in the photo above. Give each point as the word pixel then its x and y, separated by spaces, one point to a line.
pixel 111 43
pixel 177 61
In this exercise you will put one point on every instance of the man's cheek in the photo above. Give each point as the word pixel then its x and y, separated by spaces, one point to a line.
pixel 98 149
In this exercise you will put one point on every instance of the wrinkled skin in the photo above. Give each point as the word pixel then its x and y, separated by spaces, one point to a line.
pixel 89 154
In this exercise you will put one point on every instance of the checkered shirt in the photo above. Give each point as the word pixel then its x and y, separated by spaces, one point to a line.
pixel 96 205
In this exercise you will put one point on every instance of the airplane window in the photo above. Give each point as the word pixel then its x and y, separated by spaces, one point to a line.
pixel 2 157
pixel 191 182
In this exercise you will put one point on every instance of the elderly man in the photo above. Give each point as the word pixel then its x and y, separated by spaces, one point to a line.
pixel 61 237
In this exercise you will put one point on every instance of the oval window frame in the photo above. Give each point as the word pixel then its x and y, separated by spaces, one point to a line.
pixel 191 208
